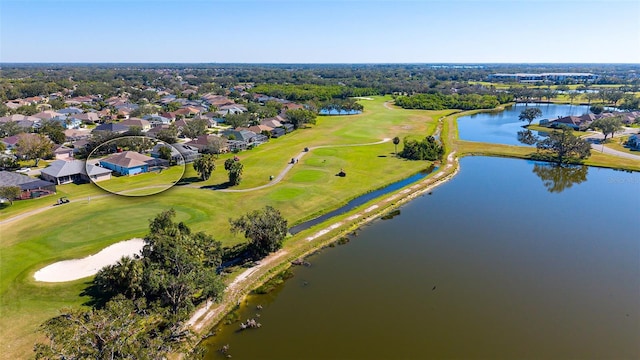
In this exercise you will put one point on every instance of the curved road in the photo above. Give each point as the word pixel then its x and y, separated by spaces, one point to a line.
pixel 610 151
pixel 597 137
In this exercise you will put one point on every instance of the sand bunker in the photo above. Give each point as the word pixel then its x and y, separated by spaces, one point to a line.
pixel 69 270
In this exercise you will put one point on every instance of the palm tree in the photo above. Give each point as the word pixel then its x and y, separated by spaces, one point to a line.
pixel 396 141
pixel 572 95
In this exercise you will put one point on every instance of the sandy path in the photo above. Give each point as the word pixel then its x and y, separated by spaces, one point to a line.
pixel 387 104
pixel 69 270
pixel 210 309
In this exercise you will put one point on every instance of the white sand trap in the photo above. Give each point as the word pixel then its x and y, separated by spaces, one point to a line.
pixel 69 270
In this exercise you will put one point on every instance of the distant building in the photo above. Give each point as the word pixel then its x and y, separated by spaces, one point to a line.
pixel 543 77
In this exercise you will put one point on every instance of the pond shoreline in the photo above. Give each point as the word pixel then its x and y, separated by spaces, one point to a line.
pixel 208 316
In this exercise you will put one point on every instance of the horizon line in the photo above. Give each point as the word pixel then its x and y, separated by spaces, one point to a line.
pixel 319 63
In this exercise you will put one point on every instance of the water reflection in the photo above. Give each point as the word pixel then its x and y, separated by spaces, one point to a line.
pixel 557 178
pixel 527 137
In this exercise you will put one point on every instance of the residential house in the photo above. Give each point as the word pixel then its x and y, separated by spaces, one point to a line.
pixel 271 122
pixel 574 122
pixel 189 154
pixel 47 115
pixel 131 163
pixel 205 142
pixel 61 152
pixel 189 111
pixel 11 142
pixel 77 134
pixel 70 111
pixel 180 153
pixel 155 130
pixel 634 142
pixel 247 136
pixel 88 118
pixel 14 104
pixel 79 100
pixel 80 145
pixel 277 132
pixel 112 127
pixel 23 121
pixel 141 123
pixel 76 171
pixel 29 187
pixel 68 122
pixel 217 100
pixel 156 120
pixel 261 129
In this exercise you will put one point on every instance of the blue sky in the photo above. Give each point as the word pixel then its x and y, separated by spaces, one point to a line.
pixel 315 31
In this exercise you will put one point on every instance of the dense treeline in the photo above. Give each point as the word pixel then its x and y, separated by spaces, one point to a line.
pixel 427 149
pixel 308 92
pixel 439 101
pixel 23 80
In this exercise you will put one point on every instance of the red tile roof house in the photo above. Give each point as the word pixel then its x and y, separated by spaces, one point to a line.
pixel 131 163
pixel 575 122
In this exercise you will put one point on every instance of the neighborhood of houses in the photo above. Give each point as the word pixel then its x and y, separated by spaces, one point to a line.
pixel 583 122
pixel 81 122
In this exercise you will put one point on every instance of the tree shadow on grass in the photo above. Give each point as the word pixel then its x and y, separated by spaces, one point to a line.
pixel 98 298
pixel 188 180
pixel 221 186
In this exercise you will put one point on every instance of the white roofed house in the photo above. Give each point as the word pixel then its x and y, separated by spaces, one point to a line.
pixel 76 171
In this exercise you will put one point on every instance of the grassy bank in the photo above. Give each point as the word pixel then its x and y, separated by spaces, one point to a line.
pixel 597 159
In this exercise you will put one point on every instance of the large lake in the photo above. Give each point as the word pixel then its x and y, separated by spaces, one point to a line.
pixel 510 259
pixel 502 127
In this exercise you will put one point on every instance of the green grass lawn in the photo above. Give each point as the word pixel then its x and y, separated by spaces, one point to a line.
pixel 83 227
pixel 596 159
pixel 144 184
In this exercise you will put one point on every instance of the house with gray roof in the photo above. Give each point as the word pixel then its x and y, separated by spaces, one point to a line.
pixel 180 153
pixel 76 171
pixel 634 142
pixel 112 127
pixel 70 110
pixel 29 187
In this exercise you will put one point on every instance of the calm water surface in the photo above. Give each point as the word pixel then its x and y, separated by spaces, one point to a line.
pixel 510 259
pixel 502 127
